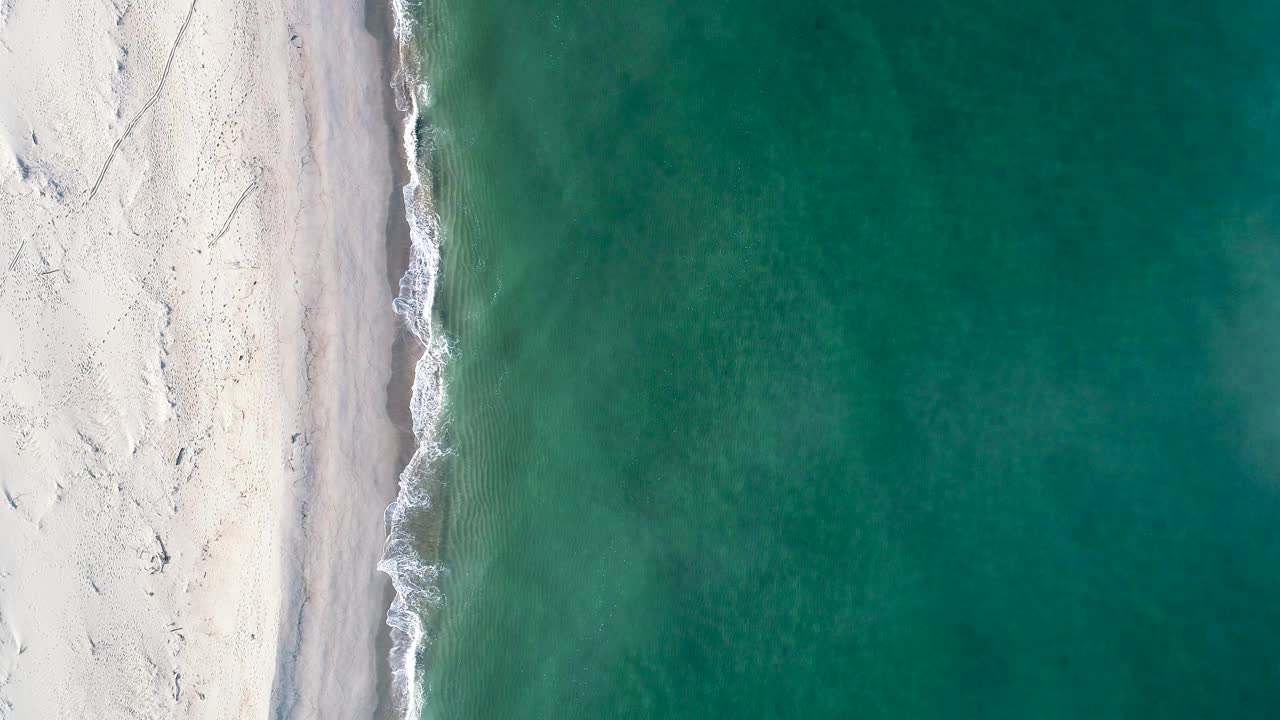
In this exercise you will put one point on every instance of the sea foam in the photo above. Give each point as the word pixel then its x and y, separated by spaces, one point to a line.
pixel 414 575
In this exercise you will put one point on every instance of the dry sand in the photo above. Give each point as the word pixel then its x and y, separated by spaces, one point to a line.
pixel 195 451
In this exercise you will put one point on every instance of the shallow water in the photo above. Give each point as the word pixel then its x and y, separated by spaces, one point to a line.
pixel 837 360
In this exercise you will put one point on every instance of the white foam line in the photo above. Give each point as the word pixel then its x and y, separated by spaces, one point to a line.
pixel 414 579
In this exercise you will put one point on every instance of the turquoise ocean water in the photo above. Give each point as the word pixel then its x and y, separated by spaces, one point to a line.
pixel 856 359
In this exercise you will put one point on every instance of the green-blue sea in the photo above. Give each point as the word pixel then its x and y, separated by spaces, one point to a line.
pixel 857 359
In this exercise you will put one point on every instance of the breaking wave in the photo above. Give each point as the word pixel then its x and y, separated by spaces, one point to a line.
pixel 414 575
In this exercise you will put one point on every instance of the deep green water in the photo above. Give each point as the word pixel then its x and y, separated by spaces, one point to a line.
pixel 862 359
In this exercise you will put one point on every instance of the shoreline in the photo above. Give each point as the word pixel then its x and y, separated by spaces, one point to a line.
pixel 380 22
pixel 198 369
pixel 415 519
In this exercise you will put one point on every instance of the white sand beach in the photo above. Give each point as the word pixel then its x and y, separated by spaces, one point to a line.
pixel 195 339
